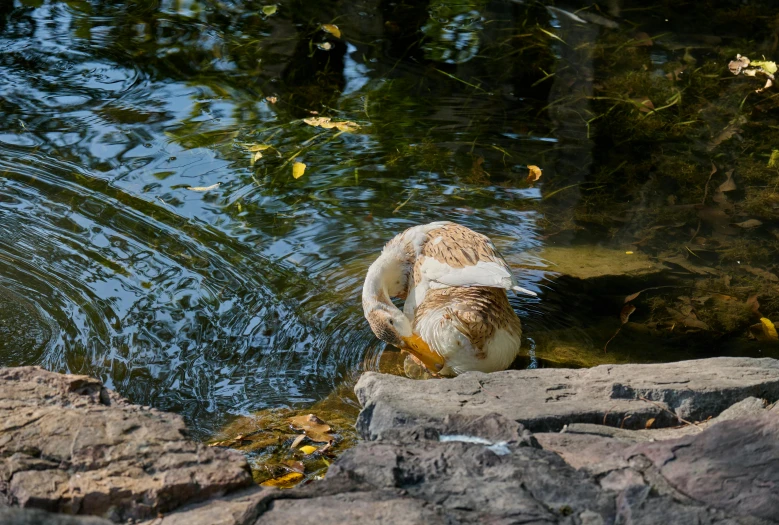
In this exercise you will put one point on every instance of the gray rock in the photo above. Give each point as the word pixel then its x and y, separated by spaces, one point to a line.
pixel 15 516
pixel 69 445
pixel 545 400
pixel 733 465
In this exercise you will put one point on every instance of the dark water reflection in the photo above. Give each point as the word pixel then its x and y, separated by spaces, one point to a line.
pixel 246 296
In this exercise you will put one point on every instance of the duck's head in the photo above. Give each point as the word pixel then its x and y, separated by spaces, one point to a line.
pixel 389 324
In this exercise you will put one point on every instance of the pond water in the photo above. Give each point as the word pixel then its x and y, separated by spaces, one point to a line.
pixel 144 240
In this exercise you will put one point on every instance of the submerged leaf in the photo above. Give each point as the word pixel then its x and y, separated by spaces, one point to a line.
pixel 332 29
pixel 307 449
pixel 769 330
pixel 534 173
pixel 624 315
pixel 316 429
pixel 751 223
pixel 298 169
pixel 284 482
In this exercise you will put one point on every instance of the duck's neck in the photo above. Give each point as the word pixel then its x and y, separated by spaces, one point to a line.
pixel 384 279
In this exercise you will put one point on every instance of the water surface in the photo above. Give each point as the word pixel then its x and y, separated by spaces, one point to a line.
pixel 246 296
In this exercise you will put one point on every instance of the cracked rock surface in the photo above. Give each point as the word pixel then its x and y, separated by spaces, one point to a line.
pixel 68 444
pixel 475 449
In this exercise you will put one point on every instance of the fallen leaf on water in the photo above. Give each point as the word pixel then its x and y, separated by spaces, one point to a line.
pixel 332 29
pixel 765 68
pixel 326 123
pixel 308 449
pixel 272 99
pixel 773 162
pixel 268 10
pixel 769 330
pixel 325 46
pixel 624 315
pixel 298 169
pixel 738 65
pixel 316 429
pixel 632 296
pixel 204 188
pixel 347 126
pixel 649 422
pixel 628 253
pixel 285 481
pixel 751 223
pixel 534 173
pixel 766 65
pixel 257 156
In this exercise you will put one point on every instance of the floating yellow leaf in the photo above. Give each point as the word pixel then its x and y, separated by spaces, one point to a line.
pixel 204 188
pixel 332 29
pixel 346 127
pixel 534 173
pixel 285 481
pixel 307 449
pixel 769 330
pixel 272 99
pixel 298 169
pixel 325 122
pixel 257 156
pixel 258 147
pixel 268 10
pixel 765 65
pixel 628 253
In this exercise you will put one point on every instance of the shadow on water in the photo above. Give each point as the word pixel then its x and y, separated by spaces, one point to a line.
pixel 153 234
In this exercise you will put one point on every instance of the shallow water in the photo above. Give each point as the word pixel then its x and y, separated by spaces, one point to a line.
pixel 246 296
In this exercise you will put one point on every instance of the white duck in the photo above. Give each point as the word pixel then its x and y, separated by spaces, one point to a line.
pixel 457 316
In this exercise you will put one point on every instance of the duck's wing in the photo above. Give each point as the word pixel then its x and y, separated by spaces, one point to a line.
pixel 453 255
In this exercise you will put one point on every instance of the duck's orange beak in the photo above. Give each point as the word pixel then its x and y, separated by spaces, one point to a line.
pixel 420 349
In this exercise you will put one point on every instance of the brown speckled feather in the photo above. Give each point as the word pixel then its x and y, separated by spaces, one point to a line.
pixel 477 312
pixel 459 246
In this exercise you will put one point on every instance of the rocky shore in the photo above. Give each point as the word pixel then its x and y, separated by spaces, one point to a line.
pixel 687 442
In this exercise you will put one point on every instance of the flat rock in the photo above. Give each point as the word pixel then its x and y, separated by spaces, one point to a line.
pixel 545 400
pixel 69 445
pixel 589 262
pixel 15 516
pixel 733 466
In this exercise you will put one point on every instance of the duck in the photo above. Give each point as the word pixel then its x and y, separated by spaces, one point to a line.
pixel 456 317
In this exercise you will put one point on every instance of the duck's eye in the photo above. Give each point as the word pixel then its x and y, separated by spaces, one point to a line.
pixel 392 321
